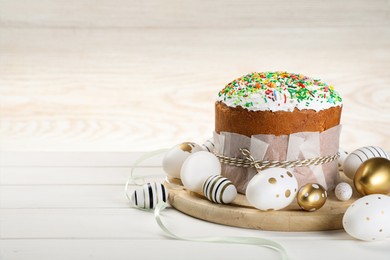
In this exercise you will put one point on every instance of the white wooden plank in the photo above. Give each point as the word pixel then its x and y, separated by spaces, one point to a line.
pixel 125 224
pixel 127 249
pixel 76 223
pixel 63 196
pixel 62 249
pixel 68 159
pixel 189 14
pixel 64 229
pixel 76 175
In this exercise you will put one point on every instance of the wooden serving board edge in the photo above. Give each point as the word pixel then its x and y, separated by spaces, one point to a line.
pixel 239 214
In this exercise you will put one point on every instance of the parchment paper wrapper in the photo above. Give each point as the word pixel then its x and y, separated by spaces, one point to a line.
pixel 297 146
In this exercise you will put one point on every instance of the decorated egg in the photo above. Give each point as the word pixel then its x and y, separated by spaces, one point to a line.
pixel 342 156
pixel 208 145
pixel 373 177
pixel 174 157
pixel 311 197
pixel 219 189
pixel 272 189
pixel 357 157
pixel 197 168
pixel 343 191
pixel 368 218
pixel 148 195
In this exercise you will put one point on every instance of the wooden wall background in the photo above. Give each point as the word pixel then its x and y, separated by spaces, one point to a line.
pixel 119 75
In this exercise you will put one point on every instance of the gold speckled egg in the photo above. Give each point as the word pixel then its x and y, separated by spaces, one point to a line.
pixel 272 189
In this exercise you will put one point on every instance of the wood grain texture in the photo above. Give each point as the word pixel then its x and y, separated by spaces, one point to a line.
pixel 241 214
pixel 195 14
pixel 121 249
pixel 131 76
pixel 79 159
pixel 81 249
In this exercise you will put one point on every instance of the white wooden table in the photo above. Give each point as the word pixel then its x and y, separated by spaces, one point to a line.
pixel 72 206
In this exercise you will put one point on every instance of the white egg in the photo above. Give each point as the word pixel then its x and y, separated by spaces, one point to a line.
pixel 208 145
pixel 342 156
pixel 357 157
pixel 272 189
pixel 175 157
pixel 197 168
pixel 148 195
pixel 368 218
pixel 343 191
pixel 219 189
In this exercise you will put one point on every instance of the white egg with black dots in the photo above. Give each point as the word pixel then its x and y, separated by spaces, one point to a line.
pixel 272 189
pixel 219 190
pixel 357 157
pixel 175 157
pixel 197 168
pixel 368 218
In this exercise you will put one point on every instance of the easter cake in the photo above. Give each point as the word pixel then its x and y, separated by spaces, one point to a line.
pixel 291 116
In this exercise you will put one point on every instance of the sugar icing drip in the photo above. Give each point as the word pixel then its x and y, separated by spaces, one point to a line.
pixel 279 91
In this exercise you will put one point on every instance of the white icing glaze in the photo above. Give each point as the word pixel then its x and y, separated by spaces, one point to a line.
pixel 279 93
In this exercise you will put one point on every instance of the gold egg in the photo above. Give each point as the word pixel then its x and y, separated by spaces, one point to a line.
pixel 373 177
pixel 311 197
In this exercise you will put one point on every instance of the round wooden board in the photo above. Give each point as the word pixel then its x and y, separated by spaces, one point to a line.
pixel 241 214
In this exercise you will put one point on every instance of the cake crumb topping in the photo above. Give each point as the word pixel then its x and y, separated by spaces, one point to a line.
pixel 277 91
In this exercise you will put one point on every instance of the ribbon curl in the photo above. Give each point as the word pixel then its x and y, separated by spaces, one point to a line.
pixel 132 178
pixel 228 240
pixel 218 239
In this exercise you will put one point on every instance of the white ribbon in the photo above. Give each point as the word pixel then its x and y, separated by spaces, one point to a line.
pixel 162 205
pixel 140 180
pixel 227 240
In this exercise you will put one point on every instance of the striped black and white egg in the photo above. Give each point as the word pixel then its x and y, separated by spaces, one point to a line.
pixel 342 156
pixel 208 145
pixel 219 190
pixel 175 157
pixel 148 195
pixel 357 157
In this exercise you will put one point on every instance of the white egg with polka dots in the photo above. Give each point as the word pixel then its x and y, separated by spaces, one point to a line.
pixel 272 189
pixel 343 191
pixel 368 218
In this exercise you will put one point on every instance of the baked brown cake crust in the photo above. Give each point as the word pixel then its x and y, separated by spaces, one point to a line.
pixel 276 108
pixel 246 122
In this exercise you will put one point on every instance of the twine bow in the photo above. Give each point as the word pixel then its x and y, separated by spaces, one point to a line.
pixel 248 161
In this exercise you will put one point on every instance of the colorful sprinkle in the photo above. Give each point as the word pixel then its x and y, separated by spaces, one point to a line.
pixel 283 90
